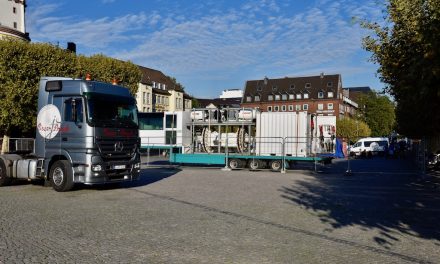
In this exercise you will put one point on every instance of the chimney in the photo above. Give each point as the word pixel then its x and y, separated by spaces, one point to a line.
pixel 265 80
pixel 322 75
pixel 71 46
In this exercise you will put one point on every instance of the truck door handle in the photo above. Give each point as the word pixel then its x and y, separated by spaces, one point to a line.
pixel 64 139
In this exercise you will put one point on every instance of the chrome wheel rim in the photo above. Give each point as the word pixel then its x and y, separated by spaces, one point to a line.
pixel 58 176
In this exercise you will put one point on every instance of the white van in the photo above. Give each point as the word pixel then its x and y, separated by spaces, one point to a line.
pixel 369 146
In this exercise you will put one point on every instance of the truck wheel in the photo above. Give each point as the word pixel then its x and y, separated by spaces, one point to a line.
pixel 275 165
pixel 61 176
pixel 4 179
pixel 235 163
pixel 255 164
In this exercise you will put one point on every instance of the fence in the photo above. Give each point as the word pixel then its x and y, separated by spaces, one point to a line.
pixel 18 145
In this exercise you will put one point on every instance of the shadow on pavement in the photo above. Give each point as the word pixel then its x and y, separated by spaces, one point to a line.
pixel 388 195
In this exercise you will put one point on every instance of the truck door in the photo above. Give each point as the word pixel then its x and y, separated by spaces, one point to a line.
pixel 51 128
pixel 73 132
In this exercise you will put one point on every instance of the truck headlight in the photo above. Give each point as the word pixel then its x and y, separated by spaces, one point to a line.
pixel 137 165
pixel 96 167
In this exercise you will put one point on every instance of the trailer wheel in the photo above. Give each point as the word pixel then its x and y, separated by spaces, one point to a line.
pixel 61 176
pixel 275 165
pixel 235 163
pixel 255 164
pixel 4 179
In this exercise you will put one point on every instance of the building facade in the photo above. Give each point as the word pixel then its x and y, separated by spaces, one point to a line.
pixel 158 93
pixel 320 95
pixel 12 19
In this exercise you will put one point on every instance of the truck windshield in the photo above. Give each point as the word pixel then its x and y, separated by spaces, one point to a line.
pixel 105 110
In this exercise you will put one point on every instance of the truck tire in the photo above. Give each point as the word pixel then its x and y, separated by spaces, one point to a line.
pixel 235 163
pixel 255 164
pixel 61 176
pixel 4 179
pixel 276 165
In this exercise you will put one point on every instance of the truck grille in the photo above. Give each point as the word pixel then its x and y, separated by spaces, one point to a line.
pixel 114 149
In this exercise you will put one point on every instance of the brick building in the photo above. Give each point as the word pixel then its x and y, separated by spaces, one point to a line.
pixel 321 95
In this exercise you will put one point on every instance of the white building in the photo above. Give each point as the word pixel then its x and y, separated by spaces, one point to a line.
pixel 232 93
pixel 12 13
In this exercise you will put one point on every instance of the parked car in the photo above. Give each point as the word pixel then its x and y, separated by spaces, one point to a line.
pixel 369 146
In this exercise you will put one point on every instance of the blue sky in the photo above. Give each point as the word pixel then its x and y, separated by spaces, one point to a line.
pixel 209 46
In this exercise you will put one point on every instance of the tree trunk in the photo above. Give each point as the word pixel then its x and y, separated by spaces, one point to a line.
pixel 5 144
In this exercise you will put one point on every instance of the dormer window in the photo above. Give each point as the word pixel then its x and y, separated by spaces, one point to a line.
pixel 274 88
pixel 306 96
pixel 330 94
pixel 321 95
pixel 284 97
pixel 308 85
pixel 248 99
pixel 291 96
pixel 277 97
pixel 329 84
pixel 257 98
pixel 270 97
pixel 298 96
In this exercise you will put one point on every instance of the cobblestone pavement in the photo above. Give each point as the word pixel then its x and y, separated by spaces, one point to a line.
pixel 383 213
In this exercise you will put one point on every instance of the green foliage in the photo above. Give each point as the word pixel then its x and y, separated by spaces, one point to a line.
pixel 352 129
pixel 407 49
pixel 195 103
pixel 105 69
pixel 377 111
pixel 22 64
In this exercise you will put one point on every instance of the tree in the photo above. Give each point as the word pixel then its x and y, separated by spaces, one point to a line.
pixel 407 49
pixel 22 64
pixel 352 129
pixel 377 111
pixel 105 69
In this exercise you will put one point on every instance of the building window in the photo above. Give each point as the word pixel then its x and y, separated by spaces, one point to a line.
pixel 144 97
pixel 148 98
pixel 292 87
pixel 284 97
pixel 164 87
pixel 14 10
pixel 306 96
pixel 330 106
pixel 308 85
pixel 274 88
pixel 15 25
pixel 330 94
pixel 270 97
pixel 259 88
pixel 320 106
pixel 290 107
pixel 257 98
pixel 277 97
pixel 283 108
pixel 269 109
pixel 305 107
pixel 298 96
pixel 291 96
pixel 329 84
pixel 298 107
pixel 321 95
pixel 276 108
pixel 248 99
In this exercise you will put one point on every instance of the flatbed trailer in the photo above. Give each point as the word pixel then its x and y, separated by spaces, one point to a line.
pixel 239 138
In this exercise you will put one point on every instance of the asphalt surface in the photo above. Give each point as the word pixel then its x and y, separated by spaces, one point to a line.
pixel 385 212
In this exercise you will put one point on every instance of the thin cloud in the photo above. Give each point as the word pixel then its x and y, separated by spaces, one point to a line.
pixel 90 33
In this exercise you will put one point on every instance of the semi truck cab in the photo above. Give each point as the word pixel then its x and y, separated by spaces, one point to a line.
pixel 87 132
